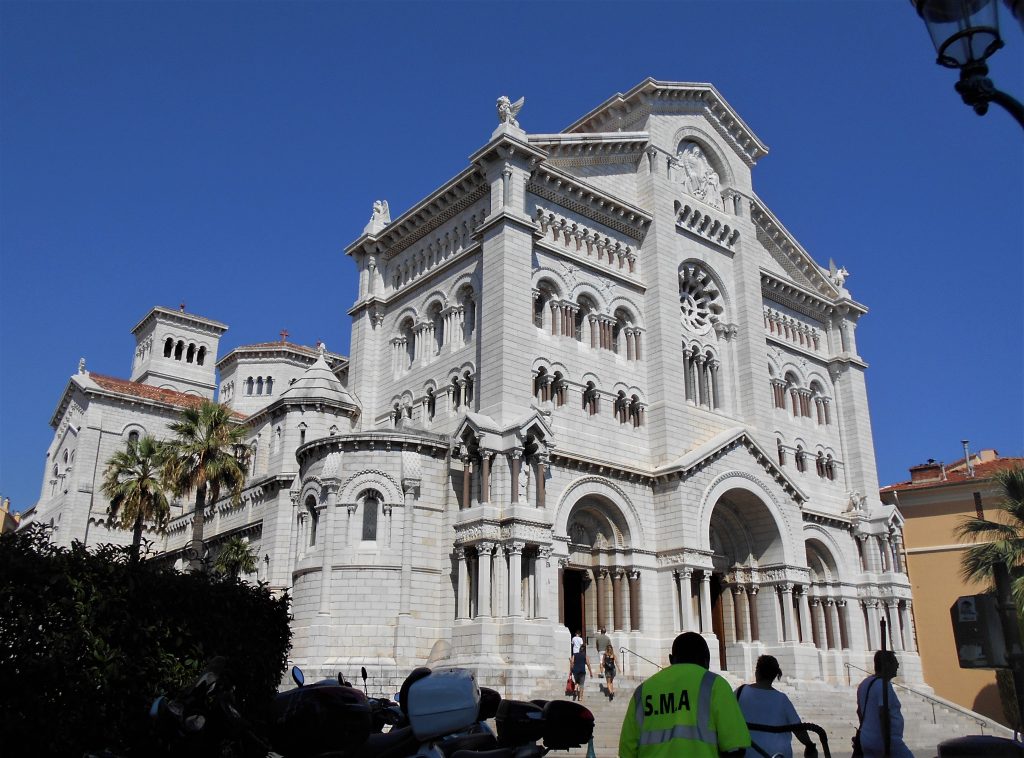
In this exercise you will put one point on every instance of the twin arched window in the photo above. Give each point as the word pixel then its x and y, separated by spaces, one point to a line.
pixel 259 386
pixel 583 321
pixel 191 353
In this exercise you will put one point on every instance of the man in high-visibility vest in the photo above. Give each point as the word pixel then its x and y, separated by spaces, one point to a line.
pixel 684 710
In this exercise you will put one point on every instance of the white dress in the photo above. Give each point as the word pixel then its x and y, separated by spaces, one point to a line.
pixel 772 708
pixel 869 699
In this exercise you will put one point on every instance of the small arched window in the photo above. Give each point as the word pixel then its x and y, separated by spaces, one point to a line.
pixel 541 385
pixel 819 465
pixel 201 356
pixel 431 403
pixel 259 385
pixel 560 389
pixel 270 385
pixel 314 519
pixel 468 303
pixel 190 355
pixel 248 386
pixel 801 462
pixel 302 434
pixel 830 468
pixel 437 321
pixel 168 347
pixel 371 504
pixel 467 378
pixel 133 437
pixel 178 350
pixel 591 399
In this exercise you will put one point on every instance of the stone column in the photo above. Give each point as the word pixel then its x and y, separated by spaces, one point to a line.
pixel 873 628
pixel 755 626
pixel 893 613
pixel 599 589
pixel 805 616
pixel 634 601
pixel 705 603
pixel 630 350
pixel 515 578
pixel 499 582
pixel 485 476
pixel 686 598
pixel 843 619
pixel 555 320
pixel 543 599
pixel 542 461
pixel 638 341
pixel 617 600
pixel 833 622
pixel 818 610
pixel 789 628
pixel 467 482
pixel 411 491
pixel 462 587
pixel 910 643
pixel 327 520
pixel 739 595
pixel 484 551
pixel 886 553
pixel 515 461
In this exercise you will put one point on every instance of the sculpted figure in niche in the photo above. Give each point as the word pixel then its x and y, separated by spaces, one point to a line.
pixel 524 482
pixel 698 177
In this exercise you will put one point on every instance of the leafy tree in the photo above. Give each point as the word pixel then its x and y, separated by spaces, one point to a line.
pixel 133 482
pixel 208 454
pixel 1003 537
pixel 236 557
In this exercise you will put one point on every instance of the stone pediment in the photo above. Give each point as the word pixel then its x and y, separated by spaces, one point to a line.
pixel 626 112
pixel 720 445
pixel 477 429
pixel 790 254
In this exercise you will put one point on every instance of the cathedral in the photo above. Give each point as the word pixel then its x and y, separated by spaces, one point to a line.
pixel 593 382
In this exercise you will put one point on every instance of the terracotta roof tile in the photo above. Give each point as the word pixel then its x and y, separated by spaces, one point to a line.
pixel 149 392
pixel 957 476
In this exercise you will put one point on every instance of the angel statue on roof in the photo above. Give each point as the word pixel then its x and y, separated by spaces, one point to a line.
pixel 380 217
pixel 507 110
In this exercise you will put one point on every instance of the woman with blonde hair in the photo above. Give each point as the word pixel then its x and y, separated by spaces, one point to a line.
pixel 608 661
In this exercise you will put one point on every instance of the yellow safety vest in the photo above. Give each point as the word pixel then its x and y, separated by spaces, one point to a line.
pixel 684 710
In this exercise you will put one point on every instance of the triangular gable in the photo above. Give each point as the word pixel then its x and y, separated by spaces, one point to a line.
pixel 495 437
pixel 722 443
pixel 789 253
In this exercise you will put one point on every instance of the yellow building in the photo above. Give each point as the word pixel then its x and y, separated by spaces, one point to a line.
pixel 933 502
pixel 8 521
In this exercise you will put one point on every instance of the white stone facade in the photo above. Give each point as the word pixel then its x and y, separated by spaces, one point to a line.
pixel 593 381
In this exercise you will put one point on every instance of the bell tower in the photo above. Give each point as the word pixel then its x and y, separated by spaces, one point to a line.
pixel 177 350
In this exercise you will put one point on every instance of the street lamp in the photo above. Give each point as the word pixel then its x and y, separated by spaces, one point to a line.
pixel 965 33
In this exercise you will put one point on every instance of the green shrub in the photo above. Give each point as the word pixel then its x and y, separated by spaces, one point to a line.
pixel 87 641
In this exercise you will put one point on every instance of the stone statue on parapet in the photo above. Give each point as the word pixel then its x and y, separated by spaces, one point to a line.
pixel 507 110
pixel 380 217
pixel 837 275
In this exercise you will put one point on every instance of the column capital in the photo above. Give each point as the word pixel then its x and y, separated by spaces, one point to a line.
pixel 786 588
pixel 485 548
pixel 411 487
pixel 815 602
pixel 351 507
pixel 515 453
pixel 386 508
pixel 633 574
pixel 460 552
pixel 515 548
pixel 293 495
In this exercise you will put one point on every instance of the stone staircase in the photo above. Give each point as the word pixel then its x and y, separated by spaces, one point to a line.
pixel 832 707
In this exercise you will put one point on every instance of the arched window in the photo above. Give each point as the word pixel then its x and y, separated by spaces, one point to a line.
pixel 408 335
pixel 560 388
pixel 437 320
pixel 621 407
pixel 830 468
pixel 168 347
pixel 201 356
pixel 542 385
pixel 468 302
pixel 133 437
pixel 178 350
pixel 67 456
pixel 542 311
pixel 190 355
pixel 302 434
pixel 314 519
pixel 259 385
pixel 456 392
pixel 468 388
pixel 636 411
pixel 585 309
pixel 431 403
pixel 801 462
pixel 248 386
pixel 621 334
pixel 270 385
pixel 591 400
pixel 371 504
pixel 819 465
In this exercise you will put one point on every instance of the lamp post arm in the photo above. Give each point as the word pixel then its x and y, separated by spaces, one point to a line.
pixel 1012 105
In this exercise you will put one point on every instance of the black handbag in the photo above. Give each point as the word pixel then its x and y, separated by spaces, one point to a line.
pixel 858 751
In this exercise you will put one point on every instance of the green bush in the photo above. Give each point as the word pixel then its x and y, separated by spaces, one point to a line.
pixel 87 641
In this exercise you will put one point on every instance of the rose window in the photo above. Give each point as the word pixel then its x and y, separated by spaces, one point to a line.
pixel 700 302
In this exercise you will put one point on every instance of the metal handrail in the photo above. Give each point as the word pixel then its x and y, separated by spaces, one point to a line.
pixel 627 650
pixel 933 701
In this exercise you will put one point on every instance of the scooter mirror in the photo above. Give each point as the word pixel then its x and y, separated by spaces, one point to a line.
pixel 297 676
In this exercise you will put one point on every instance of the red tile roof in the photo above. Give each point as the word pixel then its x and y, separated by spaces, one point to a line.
pixel 149 392
pixel 984 470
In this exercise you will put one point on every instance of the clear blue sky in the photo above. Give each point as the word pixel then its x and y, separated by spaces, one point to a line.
pixel 224 153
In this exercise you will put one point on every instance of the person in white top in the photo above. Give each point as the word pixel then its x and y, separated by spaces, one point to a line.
pixel 763 704
pixel 869 709
pixel 577 642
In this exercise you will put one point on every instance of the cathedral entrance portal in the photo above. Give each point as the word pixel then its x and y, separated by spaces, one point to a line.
pixel 574 601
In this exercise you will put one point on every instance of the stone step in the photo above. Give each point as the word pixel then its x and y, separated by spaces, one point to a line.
pixel 833 707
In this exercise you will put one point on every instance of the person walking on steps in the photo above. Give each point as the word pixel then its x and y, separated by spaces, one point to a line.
pixel 608 664
pixel 578 668
pixel 874 731
pixel 684 710
pixel 763 704
pixel 577 642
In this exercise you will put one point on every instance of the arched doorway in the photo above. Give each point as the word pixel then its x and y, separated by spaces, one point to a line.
pixel 597 587
pixel 744 539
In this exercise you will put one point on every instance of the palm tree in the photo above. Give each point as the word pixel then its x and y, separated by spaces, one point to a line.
pixel 236 557
pixel 1003 538
pixel 208 454
pixel 134 483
